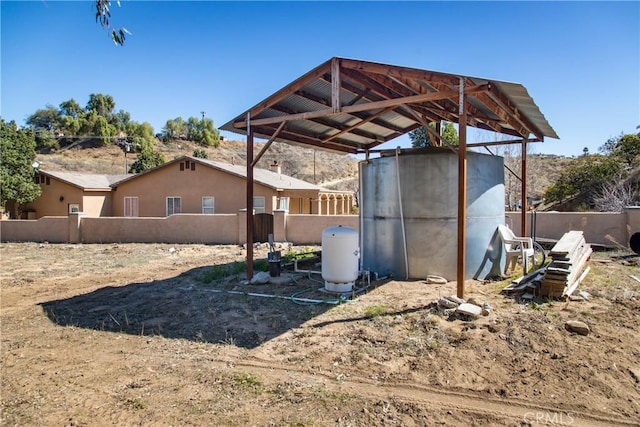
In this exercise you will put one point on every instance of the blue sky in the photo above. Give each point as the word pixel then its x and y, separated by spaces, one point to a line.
pixel 580 61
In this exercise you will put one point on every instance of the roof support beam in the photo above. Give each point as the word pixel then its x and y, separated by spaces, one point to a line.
pixel 360 107
pixel 385 88
pixel 523 180
pixel 360 123
pixel 305 140
pixel 249 199
pixel 495 94
pixel 289 89
pixel 462 192
pixel 267 145
pixel 425 124
pixel 335 85
pixel 367 95
pixel 509 142
pixel 500 111
pixel 331 124
pixel 370 67
pixel 505 166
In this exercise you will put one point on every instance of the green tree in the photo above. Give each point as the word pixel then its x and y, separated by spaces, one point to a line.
pixel 421 138
pixel 17 184
pixel 103 17
pixel 625 147
pixel 121 119
pixel 586 175
pixel 148 156
pixel 47 118
pixel 102 128
pixel 140 130
pixel 101 104
pixel 450 134
pixel 70 108
pixel 200 153
pixel 174 129
pixel 202 132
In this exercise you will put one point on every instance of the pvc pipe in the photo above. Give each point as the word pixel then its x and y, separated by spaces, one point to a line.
pixel 404 233
pixel 255 294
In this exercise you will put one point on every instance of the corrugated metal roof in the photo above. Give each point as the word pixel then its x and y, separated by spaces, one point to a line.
pixel 86 181
pixel 379 102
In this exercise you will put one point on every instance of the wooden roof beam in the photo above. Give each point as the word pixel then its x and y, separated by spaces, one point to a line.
pixel 507 142
pixel 330 124
pixel 495 94
pixel 380 89
pixel 425 124
pixel 360 123
pixel 349 87
pixel 289 89
pixel 360 107
pixel 303 139
pixel 499 111
pixel 395 71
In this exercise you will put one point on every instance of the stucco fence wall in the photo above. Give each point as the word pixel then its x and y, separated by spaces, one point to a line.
pixel 610 229
pixel 53 229
pixel 601 228
pixel 180 228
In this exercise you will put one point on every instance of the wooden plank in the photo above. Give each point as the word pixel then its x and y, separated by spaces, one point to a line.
pixel 558 270
pixel 575 284
pixel 567 243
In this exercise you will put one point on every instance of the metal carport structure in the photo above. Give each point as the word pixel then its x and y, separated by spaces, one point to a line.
pixel 353 106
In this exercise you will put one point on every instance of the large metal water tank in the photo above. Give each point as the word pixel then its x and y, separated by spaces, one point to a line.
pixel 420 239
pixel 340 258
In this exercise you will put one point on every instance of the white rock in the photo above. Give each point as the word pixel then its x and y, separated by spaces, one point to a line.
pixel 469 309
pixel 447 303
pixel 455 299
pixel 260 278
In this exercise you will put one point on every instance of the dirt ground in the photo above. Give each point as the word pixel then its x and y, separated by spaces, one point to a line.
pixel 153 334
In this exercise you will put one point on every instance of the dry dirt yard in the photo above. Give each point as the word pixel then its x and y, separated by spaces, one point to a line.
pixel 150 334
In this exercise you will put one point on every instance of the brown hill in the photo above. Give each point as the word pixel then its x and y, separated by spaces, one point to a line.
pixel 330 170
pixel 316 166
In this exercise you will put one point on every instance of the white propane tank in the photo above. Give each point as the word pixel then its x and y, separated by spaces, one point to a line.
pixel 340 254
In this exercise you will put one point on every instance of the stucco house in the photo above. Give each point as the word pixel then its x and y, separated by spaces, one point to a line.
pixel 183 185
pixel 65 192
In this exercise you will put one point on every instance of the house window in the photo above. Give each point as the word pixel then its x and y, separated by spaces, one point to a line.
pixel 74 208
pixel 48 181
pixel 193 166
pixel 37 179
pixel 258 204
pixel 208 205
pixel 283 203
pixel 181 166
pixel 131 206
pixel 173 205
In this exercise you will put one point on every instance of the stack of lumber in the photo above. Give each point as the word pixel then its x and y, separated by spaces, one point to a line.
pixel 568 266
pixel 526 287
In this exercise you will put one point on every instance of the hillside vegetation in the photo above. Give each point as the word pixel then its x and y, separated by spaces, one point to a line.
pixel 315 166
pixel 331 170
